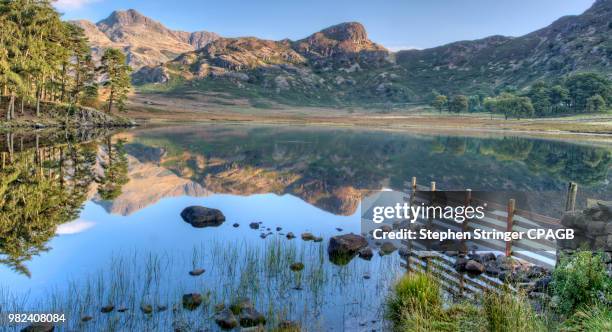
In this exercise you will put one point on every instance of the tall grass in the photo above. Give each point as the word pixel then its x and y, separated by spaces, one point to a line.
pixel 416 305
pixel 507 311
pixel 414 292
pixel 593 318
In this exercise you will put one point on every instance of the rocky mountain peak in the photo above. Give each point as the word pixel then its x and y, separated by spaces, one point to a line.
pixel 351 31
pixel 342 45
pixel 126 17
pixel 145 40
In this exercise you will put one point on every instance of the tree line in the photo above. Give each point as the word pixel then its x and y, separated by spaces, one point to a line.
pixel 44 59
pixel 576 94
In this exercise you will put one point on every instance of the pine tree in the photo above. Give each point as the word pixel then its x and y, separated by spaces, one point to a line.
pixel 114 67
pixel 42 59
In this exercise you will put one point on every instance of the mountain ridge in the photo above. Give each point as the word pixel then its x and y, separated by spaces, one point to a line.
pixel 146 41
pixel 340 65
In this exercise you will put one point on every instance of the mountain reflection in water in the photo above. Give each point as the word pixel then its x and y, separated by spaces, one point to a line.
pixel 332 169
pixel 43 189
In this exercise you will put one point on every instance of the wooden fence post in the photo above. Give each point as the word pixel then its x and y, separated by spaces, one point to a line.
pixel 468 202
pixel 509 223
pixel 570 202
pixel 462 249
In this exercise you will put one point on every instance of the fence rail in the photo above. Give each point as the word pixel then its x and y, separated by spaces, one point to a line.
pixel 501 218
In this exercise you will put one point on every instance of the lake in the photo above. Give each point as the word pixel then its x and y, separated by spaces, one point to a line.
pixel 94 218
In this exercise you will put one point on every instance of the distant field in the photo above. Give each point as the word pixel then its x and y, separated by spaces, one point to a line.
pixel 153 108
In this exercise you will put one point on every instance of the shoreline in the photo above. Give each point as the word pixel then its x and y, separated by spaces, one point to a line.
pixel 597 128
pixel 590 128
pixel 82 118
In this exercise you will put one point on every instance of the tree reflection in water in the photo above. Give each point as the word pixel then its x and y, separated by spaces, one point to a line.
pixel 44 187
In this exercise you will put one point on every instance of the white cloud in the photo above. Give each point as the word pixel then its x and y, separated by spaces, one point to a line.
pixel 74 227
pixel 72 4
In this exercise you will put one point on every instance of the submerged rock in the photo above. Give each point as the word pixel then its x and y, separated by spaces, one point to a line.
pixel 239 304
pixel 289 326
pixel 192 301
pixel 307 236
pixel 250 317
pixel 86 318
pixel 108 308
pixel 298 266
pixel 39 327
pixel 254 225
pixel 236 225
pixel 387 248
pixel 196 272
pixel 366 253
pixel 199 216
pixel 146 308
pixel 290 235
pixel 226 319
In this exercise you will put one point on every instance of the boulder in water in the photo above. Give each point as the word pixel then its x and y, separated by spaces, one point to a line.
pixel 192 301
pixel 39 327
pixel 343 248
pixel 199 216
pixel 226 319
pixel 250 317
pixel 346 244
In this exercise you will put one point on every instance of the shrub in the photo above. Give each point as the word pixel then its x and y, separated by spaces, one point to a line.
pixel 580 280
pixel 506 311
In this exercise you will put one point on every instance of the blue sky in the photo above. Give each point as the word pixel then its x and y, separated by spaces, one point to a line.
pixel 393 23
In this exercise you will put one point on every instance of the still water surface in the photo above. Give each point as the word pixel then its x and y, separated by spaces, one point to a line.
pixel 299 179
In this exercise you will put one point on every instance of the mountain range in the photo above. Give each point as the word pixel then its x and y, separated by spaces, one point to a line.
pixel 340 65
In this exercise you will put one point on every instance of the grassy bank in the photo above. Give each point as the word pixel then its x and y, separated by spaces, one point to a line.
pixel 153 108
pixel 578 298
